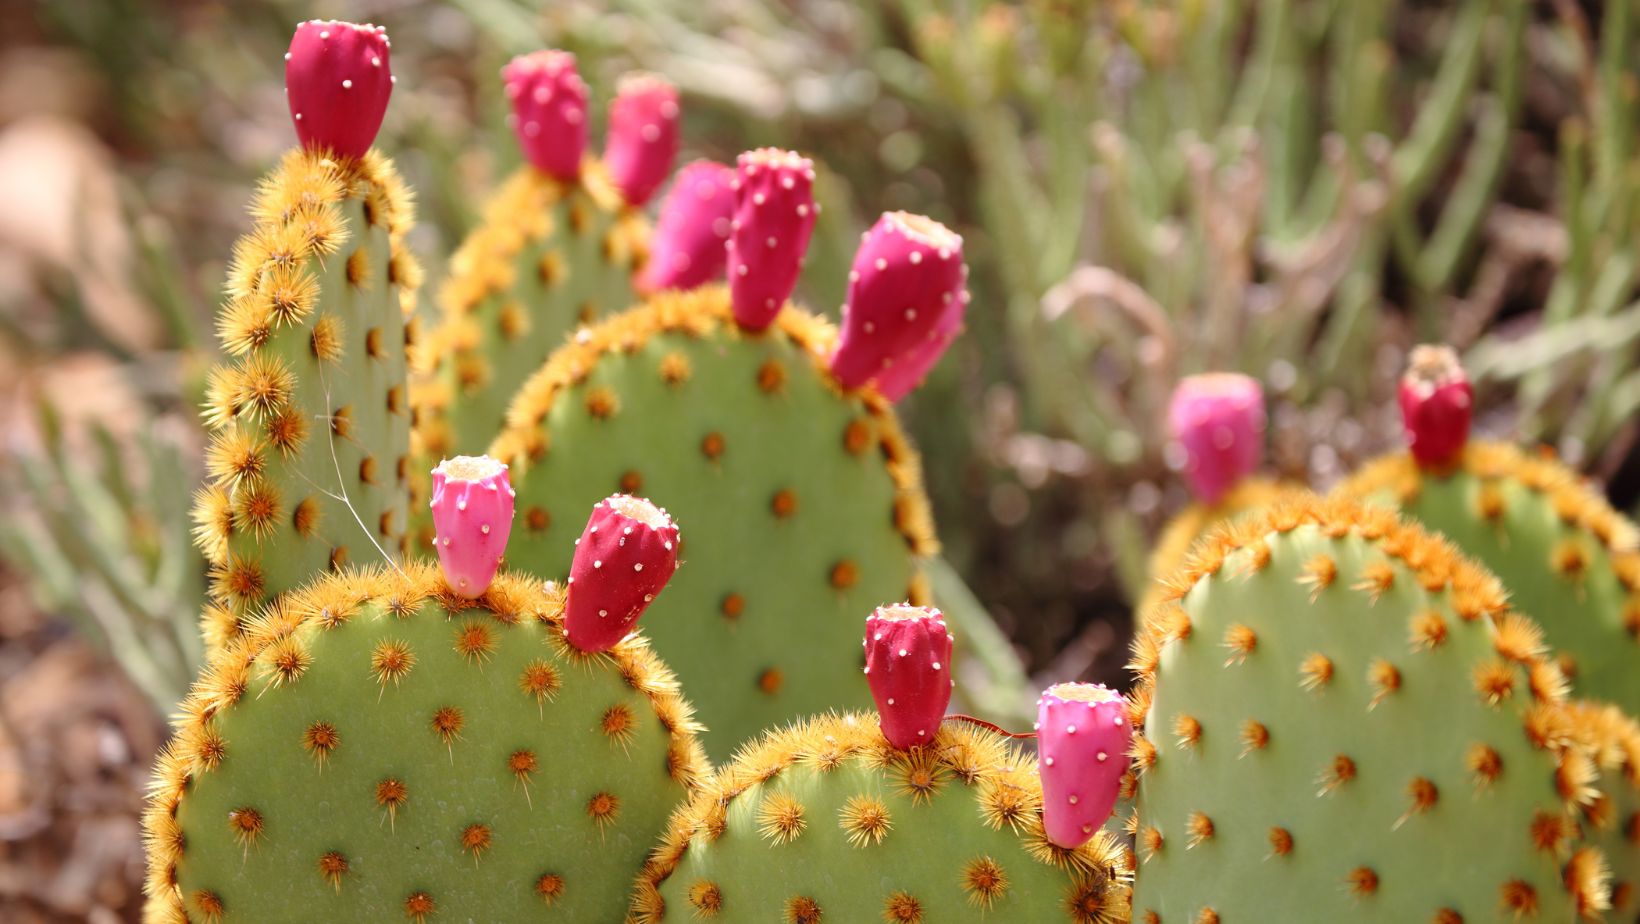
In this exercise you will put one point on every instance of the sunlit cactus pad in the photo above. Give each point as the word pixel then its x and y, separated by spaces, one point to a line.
pixel 376 749
pixel 548 256
pixel 801 504
pixel 1343 722
pixel 1566 557
pixel 309 418
pixel 826 821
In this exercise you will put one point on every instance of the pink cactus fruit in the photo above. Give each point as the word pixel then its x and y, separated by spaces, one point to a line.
pixel 1219 420
pixel 905 303
pixel 337 82
pixel 549 103
pixel 774 217
pixel 472 518
pixel 1437 403
pixel 643 136
pixel 905 376
pixel 687 248
pixel 908 666
pixel 623 559
pixel 1083 736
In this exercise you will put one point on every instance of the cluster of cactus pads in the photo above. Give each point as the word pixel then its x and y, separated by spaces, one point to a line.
pixel 1341 714
pixel 770 434
pixel 380 738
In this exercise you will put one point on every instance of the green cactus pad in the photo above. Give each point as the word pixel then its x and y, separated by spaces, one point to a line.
pixel 1567 558
pixel 825 821
pixel 1342 722
pixel 800 505
pixel 1197 520
pixel 549 256
pixel 376 749
pixel 309 418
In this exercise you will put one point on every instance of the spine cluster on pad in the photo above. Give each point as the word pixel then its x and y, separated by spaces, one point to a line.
pixel 1324 666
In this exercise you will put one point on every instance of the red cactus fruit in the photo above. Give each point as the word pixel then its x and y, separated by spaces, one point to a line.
pixel 472 518
pixel 625 557
pixel 687 248
pixel 1437 403
pixel 908 666
pixel 902 378
pixel 643 136
pixel 905 303
pixel 1219 420
pixel 1083 737
pixel 337 82
pixel 549 103
pixel 774 216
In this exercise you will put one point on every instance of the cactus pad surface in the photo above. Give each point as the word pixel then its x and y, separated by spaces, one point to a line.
pixel 826 821
pixel 1342 721
pixel 376 748
pixel 1566 557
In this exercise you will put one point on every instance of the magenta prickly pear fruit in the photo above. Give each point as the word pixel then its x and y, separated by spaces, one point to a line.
pixel 902 378
pixel 687 247
pixel 625 557
pixel 549 103
pixel 905 302
pixel 774 216
pixel 337 82
pixel 908 665
pixel 1437 403
pixel 1083 736
pixel 643 136
pixel 1219 420
pixel 472 515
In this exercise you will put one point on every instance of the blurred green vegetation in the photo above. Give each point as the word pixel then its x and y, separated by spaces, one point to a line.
pixel 1296 189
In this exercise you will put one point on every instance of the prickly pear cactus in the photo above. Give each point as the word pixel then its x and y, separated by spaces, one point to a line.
pixel 377 748
pixel 549 255
pixel 1343 722
pixel 559 246
pixel 1568 559
pixel 803 503
pixel 305 414
pixel 308 417
pixel 827 821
